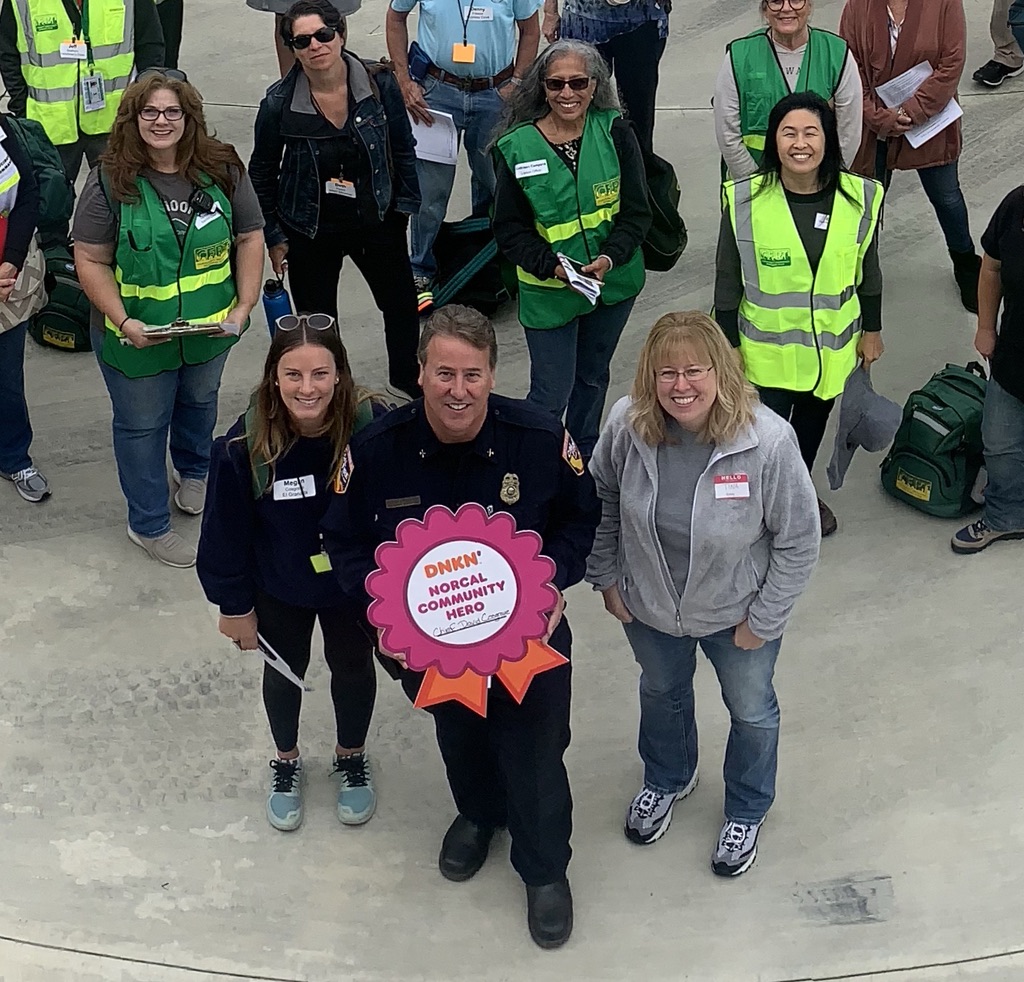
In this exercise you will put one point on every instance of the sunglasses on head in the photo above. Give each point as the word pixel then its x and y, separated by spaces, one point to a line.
pixel 301 41
pixel 315 322
pixel 178 76
pixel 577 84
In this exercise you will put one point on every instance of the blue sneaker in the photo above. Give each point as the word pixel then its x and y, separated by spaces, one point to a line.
pixel 284 803
pixel 978 536
pixel 356 797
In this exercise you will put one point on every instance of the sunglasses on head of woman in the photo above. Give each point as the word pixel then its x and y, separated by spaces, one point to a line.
pixel 301 41
pixel 315 322
pixel 577 84
pixel 174 73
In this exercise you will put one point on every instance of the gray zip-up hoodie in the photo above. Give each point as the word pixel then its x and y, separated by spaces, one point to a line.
pixel 750 556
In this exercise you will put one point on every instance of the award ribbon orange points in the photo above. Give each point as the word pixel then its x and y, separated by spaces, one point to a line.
pixel 517 675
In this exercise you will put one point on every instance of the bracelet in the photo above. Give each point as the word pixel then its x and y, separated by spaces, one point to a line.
pixel 127 317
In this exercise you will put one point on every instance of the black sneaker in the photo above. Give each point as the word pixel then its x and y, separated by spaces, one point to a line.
pixel 994 73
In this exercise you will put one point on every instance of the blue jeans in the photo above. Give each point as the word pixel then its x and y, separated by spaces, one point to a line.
pixel 15 429
pixel 181 403
pixel 668 725
pixel 1002 430
pixel 942 186
pixel 476 116
pixel 570 365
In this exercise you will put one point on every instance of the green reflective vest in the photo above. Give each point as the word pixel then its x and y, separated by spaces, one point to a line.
pixel 798 329
pixel 572 213
pixel 163 279
pixel 761 84
pixel 55 81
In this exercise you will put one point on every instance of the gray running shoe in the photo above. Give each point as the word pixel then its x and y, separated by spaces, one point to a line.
pixel 170 548
pixel 650 813
pixel 191 494
pixel 284 803
pixel 736 849
pixel 29 483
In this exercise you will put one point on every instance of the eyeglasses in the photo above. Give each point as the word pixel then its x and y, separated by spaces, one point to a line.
pixel 315 322
pixel 172 113
pixel 777 5
pixel 577 84
pixel 668 376
pixel 302 41
pixel 174 73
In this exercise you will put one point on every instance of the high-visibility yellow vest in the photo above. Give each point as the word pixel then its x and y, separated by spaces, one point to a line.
pixel 55 81
pixel 9 179
pixel 798 329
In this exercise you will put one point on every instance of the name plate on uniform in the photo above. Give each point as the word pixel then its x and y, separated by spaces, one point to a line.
pixel 463 597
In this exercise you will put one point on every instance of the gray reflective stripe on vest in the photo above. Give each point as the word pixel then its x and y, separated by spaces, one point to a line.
pixel 67 93
pixel 834 342
pixel 870 190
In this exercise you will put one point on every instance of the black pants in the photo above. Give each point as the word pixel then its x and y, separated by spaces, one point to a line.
pixel 806 413
pixel 634 58
pixel 348 651
pixel 381 254
pixel 506 768
pixel 172 14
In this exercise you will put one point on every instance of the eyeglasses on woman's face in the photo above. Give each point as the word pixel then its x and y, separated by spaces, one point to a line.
pixel 777 5
pixel 577 84
pixel 151 114
pixel 695 373
pixel 302 41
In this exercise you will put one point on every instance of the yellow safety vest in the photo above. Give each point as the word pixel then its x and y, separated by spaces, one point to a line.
pixel 55 81
pixel 798 329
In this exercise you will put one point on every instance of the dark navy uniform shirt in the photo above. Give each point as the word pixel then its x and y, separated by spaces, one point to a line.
pixel 397 468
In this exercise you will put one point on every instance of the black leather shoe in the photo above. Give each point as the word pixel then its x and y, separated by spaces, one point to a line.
pixel 549 913
pixel 464 849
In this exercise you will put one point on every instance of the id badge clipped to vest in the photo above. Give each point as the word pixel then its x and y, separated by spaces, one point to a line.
pixel 93 96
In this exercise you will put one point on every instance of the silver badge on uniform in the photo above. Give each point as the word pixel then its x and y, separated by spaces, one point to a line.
pixel 510 489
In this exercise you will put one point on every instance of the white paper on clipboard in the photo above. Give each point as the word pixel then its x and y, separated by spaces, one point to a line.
pixel 438 143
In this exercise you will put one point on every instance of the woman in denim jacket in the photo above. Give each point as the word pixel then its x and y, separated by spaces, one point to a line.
pixel 335 171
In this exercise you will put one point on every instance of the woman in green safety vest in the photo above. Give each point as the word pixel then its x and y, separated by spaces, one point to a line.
pixel 570 182
pixel 788 56
pixel 168 234
pixel 798 287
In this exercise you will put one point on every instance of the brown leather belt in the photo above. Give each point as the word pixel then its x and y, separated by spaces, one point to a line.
pixel 470 84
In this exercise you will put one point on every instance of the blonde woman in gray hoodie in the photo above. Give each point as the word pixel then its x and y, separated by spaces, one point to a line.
pixel 709 533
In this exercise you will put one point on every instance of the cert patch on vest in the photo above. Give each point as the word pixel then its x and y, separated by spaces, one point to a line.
pixel 606 192
pixel 509 489
pixel 212 255
pixel 571 455
pixel 344 475
pixel 774 257
pixel 45 24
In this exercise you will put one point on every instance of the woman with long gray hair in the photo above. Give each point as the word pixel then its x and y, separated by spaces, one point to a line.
pixel 570 182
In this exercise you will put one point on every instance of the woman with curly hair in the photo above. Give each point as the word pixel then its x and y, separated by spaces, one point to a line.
pixel 167 230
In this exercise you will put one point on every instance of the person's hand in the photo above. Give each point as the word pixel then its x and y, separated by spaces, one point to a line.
pixel 279 258
pixel 551 25
pixel 236 317
pixel 415 104
pixel 399 657
pixel 894 124
pixel 598 268
pixel 615 605
pixel 870 347
pixel 8 277
pixel 746 639
pixel 135 331
pixel 506 89
pixel 241 630
pixel 985 341
pixel 554 617
pixel 560 273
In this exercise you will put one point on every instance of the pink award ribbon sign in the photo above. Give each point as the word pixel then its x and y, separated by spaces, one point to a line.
pixel 465 596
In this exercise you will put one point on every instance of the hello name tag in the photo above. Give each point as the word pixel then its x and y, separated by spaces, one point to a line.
pixel 732 486
pixel 73 50
pixel 531 168
pixel 295 487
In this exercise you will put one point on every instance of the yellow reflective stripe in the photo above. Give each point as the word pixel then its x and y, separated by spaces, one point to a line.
pixel 211 319
pixel 530 280
pixel 753 141
pixel 566 230
pixel 187 284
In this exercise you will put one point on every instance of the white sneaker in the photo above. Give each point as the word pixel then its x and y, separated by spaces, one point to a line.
pixel 170 548
pixel 736 849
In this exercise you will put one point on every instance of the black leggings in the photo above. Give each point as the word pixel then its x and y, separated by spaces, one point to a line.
pixel 381 254
pixel 634 58
pixel 806 413
pixel 348 651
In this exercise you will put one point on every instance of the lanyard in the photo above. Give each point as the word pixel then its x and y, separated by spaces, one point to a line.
pixel 463 17
pixel 85 31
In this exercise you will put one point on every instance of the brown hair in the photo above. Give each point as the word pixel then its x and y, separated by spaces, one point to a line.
pixel 463 323
pixel 198 153
pixel 736 402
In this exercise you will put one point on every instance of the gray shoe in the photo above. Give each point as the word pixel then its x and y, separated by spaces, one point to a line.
pixel 29 483
pixel 170 548
pixel 650 813
pixel 191 494
pixel 284 803
pixel 736 849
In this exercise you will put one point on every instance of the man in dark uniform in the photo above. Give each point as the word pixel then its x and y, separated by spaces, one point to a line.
pixel 460 444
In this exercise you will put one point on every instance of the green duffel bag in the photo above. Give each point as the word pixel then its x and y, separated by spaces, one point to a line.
pixel 64 322
pixel 937 453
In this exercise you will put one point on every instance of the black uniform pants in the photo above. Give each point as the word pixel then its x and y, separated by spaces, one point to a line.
pixel 806 413
pixel 172 15
pixel 348 650
pixel 506 768
pixel 381 254
pixel 637 53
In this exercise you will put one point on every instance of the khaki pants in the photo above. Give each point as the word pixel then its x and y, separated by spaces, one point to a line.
pixel 1007 52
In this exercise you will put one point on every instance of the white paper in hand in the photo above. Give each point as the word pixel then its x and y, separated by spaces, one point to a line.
pixel 275 661
pixel 584 284
pixel 438 143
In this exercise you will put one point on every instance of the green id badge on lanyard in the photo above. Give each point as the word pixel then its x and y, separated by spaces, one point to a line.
pixel 321 562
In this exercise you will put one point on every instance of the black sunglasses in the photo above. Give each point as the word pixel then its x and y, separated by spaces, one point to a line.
pixel 174 73
pixel 301 41
pixel 577 84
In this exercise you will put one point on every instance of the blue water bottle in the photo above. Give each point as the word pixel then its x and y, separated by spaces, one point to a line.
pixel 276 302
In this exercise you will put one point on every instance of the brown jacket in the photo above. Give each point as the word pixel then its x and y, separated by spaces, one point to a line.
pixel 933 31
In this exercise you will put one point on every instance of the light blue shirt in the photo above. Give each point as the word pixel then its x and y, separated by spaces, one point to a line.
pixel 494 34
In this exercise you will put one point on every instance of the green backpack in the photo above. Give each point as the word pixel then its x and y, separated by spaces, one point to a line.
pixel 667 237
pixel 937 453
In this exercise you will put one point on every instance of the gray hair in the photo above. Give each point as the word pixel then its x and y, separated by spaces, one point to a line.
pixel 465 324
pixel 529 101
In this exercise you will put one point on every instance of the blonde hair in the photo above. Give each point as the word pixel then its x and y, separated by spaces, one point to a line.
pixel 736 402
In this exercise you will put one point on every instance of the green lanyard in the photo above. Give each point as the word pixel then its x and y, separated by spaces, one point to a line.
pixel 85 32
